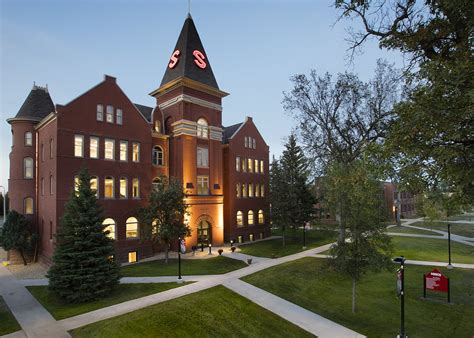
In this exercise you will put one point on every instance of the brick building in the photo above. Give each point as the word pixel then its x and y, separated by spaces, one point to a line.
pixel 127 146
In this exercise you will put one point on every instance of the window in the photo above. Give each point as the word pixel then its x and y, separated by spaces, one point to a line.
pixel 109 114
pixel 250 237
pixel 244 189
pixel 157 126
pixel 246 142
pixel 94 147
pixel 261 218
pixel 250 165
pixel 156 183
pixel 123 187
pixel 244 165
pixel 51 185
pixel 135 152
pixel 119 118
pixel 250 220
pixel 237 186
pixel 132 257
pixel 100 112
pixel 135 188
pixel 42 152
pixel 109 149
pixel 76 185
pixel 123 151
pixel 203 185
pixel 237 163
pixel 157 156
pixel 202 157
pixel 250 189
pixel 109 187
pixel 42 186
pixel 78 145
pixel 261 167
pixel 132 227
pixel 28 167
pixel 95 185
pixel 109 225
pixel 28 138
pixel 202 128
pixel 240 219
pixel 28 206
pixel 51 148
pixel 257 190
pixel 262 190
pixel 254 144
pixel 256 166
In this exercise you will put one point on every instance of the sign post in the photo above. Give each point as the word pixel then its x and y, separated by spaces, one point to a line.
pixel 436 281
pixel 401 293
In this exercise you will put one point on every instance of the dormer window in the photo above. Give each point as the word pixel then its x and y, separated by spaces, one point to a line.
pixel 202 128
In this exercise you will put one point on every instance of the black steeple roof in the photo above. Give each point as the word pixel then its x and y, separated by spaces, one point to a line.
pixel 188 42
pixel 37 105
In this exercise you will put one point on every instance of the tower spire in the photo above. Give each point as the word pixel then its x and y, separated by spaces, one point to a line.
pixel 189 7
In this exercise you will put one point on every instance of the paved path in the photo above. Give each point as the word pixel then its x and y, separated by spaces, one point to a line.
pixel 295 314
pixel 30 314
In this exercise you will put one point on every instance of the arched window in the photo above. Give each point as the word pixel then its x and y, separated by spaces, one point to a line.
pixel 261 218
pixel 132 227
pixel 95 185
pixel 28 138
pixel 250 219
pixel 157 156
pixel 240 219
pixel 28 206
pixel 135 188
pixel 109 225
pixel 123 187
pixel 157 126
pixel 28 167
pixel 202 128
pixel 156 183
pixel 109 187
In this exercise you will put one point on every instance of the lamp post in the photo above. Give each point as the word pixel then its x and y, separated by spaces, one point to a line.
pixel 304 237
pixel 401 292
pixel 180 279
pixel 210 247
pixel 450 266
pixel 4 204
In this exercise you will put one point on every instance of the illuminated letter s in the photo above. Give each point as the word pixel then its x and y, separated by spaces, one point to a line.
pixel 199 59
pixel 174 59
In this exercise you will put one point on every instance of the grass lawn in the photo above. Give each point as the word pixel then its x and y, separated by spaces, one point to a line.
pixel 462 229
pixel 209 266
pixel 8 323
pixel 216 312
pixel 274 248
pixel 432 249
pixel 124 292
pixel 462 218
pixel 405 230
pixel 329 294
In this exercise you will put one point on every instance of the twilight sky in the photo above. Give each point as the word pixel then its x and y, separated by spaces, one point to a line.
pixel 254 46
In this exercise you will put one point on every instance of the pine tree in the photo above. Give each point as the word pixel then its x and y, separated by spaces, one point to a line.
pixel 278 199
pixel 84 265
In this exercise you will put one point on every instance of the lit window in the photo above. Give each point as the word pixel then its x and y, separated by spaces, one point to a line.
pixel 100 112
pixel 28 167
pixel 261 218
pixel 123 188
pixel 124 151
pixel 157 156
pixel 135 152
pixel 261 167
pixel 132 257
pixel 119 118
pixel 132 227
pixel 240 219
pixel 42 186
pixel 250 189
pixel 76 185
pixel 202 128
pixel 244 165
pixel 256 166
pixel 94 147
pixel 262 191
pixel 109 225
pixel 203 185
pixel 250 220
pixel 78 145
pixel 109 187
pixel 51 186
pixel 109 114
pixel 109 149
pixel 51 148
pixel 95 185
pixel 156 183
pixel 28 205
pixel 254 144
pixel 246 142
pixel 237 186
pixel 257 190
pixel 250 165
pixel 135 188
pixel 244 189
pixel 237 163
pixel 28 138
pixel 202 157
pixel 157 126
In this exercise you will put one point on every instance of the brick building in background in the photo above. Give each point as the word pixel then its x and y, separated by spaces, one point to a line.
pixel 127 147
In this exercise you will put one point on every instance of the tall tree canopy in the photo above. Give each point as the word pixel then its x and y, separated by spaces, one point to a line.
pixel 16 234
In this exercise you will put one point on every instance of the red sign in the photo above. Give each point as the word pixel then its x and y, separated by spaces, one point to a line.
pixel 174 59
pixel 436 281
pixel 199 59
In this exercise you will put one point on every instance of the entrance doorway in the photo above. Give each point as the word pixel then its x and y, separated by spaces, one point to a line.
pixel 204 233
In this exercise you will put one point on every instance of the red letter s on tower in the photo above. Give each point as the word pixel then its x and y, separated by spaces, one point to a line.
pixel 199 59
pixel 174 59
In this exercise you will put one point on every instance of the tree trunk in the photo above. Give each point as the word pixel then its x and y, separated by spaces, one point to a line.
pixel 22 256
pixel 166 252
pixel 353 295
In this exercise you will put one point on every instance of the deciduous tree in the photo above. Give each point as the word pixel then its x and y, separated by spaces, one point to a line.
pixel 16 234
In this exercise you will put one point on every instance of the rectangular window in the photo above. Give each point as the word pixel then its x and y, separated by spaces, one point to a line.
pixel 136 152
pixel 51 186
pixel 123 150
pixel 109 149
pixel 256 166
pixel 202 157
pixel 261 167
pixel 250 189
pixel 51 148
pixel 257 190
pixel 237 186
pixel 28 138
pixel 246 142
pixel 109 187
pixel 203 185
pixel 262 190
pixel 250 165
pixel 132 257
pixel 254 144
pixel 244 165
pixel 100 112
pixel 28 206
pixel 135 188
pixel 244 190
pixel 109 114
pixel 237 163
pixel 123 188
pixel 119 118
pixel 28 167
pixel 78 145
pixel 94 147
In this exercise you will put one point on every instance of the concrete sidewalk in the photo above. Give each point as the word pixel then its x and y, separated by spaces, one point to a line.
pixel 293 313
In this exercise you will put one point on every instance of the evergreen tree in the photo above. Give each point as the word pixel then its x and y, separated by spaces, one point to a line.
pixel 16 234
pixel 84 265
pixel 164 217
pixel 278 198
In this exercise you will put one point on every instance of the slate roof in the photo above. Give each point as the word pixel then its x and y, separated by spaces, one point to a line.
pixel 229 131
pixel 145 110
pixel 37 105
pixel 188 42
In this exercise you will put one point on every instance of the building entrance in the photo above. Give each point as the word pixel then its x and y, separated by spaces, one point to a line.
pixel 204 234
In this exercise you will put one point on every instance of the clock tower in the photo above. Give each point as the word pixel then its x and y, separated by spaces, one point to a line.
pixel 189 104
